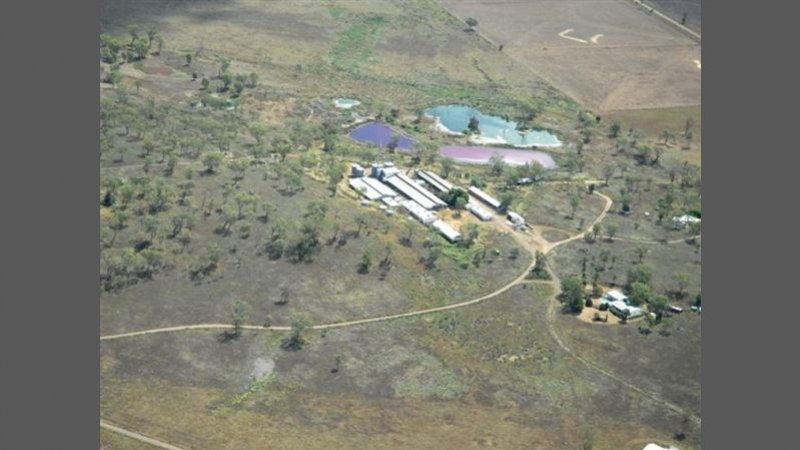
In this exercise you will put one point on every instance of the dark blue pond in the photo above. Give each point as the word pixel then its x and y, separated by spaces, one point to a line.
pixel 380 135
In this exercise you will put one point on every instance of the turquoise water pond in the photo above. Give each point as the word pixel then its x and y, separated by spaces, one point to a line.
pixel 454 119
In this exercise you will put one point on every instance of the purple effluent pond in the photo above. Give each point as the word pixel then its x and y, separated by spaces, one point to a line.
pixel 380 135
pixel 481 155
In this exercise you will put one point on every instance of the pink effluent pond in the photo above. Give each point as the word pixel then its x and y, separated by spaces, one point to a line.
pixel 481 155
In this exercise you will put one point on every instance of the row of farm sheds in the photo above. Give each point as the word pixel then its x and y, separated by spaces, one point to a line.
pixel 388 184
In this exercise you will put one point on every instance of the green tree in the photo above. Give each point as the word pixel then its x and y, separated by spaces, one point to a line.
pixel 658 305
pixel 614 129
pixel 641 251
pixel 188 60
pixel 238 167
pixel 410 226
pixel 454 195
pixel 496 165
pixel 471 23
pixel 506 198
pixel 608 172
pixel 150 226
pixel 572 293
pixel 366 261
pixel 224 64
pixel 296 340
pixel 681 280
pixel 282 146
pixel 258 131
pixel 361 223
pixel 238 315
pixel 574 203
pixel 639 293
pixel 335 175
pixel 212 160
pixel 611 231
pixel 447 166
pixel 640 273
pixel 474 125
pixel 470 233
pixel 252 80
pixel 245 203
pixel 172 161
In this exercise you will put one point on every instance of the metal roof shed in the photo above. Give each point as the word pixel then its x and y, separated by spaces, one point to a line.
pixel 484 197
pixel 381 188
pixel 479 212
pixel 418 212
pixel 408 191
pixel 428 194
pixel 447 231
pixel 439 179
pixel 432 181
pixel 363 189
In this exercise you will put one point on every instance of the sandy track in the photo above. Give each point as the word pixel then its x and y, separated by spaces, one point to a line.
pixel 137 436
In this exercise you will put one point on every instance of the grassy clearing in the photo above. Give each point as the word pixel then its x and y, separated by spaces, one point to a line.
pixel 665 260
pixel 655 121
pixel 549 205
pixel 397 383
pixel 114 441
pixel 353 46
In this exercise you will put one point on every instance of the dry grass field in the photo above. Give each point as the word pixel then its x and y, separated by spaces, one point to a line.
pixel 635 62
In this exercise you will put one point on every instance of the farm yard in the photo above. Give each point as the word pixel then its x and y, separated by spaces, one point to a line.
pixel 295 255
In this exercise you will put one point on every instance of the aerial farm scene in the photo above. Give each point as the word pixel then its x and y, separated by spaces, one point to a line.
pixel 400 224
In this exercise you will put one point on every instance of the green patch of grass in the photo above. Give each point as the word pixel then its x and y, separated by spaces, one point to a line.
pixel 428 378
pixel 354 44
pixel 254 389
pixel 336 11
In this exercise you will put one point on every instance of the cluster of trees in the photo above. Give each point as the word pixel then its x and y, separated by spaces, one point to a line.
pixel 638 287
pixel 227 81
pixel 115 50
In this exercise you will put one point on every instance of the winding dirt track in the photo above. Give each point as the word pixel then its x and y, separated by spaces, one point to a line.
pixel 137 436
pixel 530 240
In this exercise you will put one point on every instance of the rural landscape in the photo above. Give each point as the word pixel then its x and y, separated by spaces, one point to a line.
pixel 400 224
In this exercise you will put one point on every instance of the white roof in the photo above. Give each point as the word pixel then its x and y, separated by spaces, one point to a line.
pixel 482 214
pixel 419 213
pixel 658 447
pixel 409 191
pixel 432 181
pixel 684 219
pixel 615 295
pixel 449 232
pixel 633 311
pixel 382 189
pixel 435 180
pixel 491 201
pixel 430 195
pixel 364 189
pixel 516 218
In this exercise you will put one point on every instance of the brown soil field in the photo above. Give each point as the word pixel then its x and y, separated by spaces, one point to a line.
pixel 638 62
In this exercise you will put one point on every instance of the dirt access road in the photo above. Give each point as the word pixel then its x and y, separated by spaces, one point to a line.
pixel 531 240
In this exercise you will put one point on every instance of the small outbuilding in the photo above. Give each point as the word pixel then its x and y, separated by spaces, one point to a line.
pixel 447 231
pixel 356 171
pixel 516 219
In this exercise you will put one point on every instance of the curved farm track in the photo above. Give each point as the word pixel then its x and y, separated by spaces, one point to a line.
pixel 531 240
